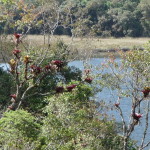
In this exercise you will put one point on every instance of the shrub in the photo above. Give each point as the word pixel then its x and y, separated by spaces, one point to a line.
pixel 6 84
pixel 18 129
pixel 72 122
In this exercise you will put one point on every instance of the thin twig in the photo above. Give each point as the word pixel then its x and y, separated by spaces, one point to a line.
pixel 146 128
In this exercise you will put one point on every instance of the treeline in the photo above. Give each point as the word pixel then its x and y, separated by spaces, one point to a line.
pixel 117 18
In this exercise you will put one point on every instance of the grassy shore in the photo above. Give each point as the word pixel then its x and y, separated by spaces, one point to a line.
pixel 93 46
pixel 94 43
pixel 87 46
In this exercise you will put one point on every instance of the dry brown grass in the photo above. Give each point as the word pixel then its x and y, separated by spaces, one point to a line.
pixel 93 43
pixel 92 47
pixel 86 47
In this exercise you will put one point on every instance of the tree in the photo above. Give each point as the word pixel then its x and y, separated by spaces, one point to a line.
pixel 144 6
pixel 73 122
pixel 130 80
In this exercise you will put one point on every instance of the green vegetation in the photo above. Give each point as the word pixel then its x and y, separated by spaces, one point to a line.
pixel 51 106
pixel 6 84
pixel 69 121
pixel 47 105
pixel 73 121
pixel 18 129
pixel 77 17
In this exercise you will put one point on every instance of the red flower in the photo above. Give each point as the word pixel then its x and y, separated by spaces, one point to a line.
pixel 137 116
pixel 146 91
pixel 59 89
pixel 58 63
pixel 117 104
pixel 17 39
pixel 71 87
pixel 48 67
pixel 36 69
pixel 88 79
pixel 32 66
pixel 16 51
pixel 13 96
pixel 17 36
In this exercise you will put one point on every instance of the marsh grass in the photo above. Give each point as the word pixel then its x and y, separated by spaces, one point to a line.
pixel 88 47
pixel 94 43
pixel 82 48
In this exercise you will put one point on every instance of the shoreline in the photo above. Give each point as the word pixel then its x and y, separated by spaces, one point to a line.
pixel 95 53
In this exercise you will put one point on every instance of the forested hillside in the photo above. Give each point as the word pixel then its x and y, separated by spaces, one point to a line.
pixel 105 18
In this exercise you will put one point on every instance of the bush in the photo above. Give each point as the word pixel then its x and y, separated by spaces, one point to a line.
pixel 18 129
pixel 6 84
pixel 72 122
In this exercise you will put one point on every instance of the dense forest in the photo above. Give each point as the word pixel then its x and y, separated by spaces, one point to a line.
pixel 117 18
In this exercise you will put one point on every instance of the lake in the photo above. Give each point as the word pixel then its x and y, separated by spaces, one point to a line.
pixel 110 98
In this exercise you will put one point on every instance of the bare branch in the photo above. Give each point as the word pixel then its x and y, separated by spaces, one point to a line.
pixel 123 120
pixel 146 128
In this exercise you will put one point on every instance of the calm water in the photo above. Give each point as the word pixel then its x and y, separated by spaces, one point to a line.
pixel 110 98
pixel 4 66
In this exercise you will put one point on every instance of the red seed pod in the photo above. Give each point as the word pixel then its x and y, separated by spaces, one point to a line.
pixel 58 63
pixel 16 51
pixel 13 96
pixel 146 91
pixel 17 39
pixel 88 79
pixel 17 36
pixel 33 66
pixel 48 67
pixel 136 116
pixel 117 104
pixel 59 89
pixel 71 87
pixel 36 69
